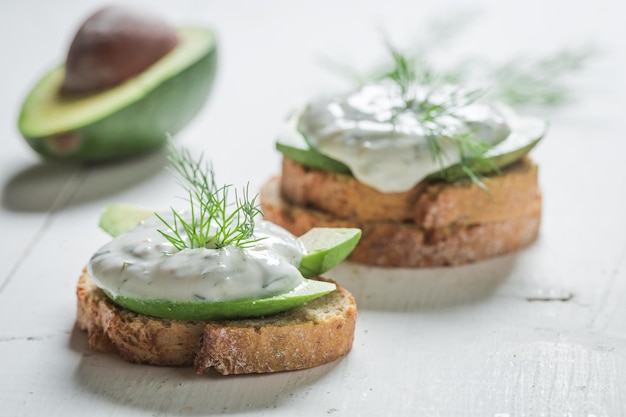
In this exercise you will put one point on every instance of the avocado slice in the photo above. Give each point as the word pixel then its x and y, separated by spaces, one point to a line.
pixel 119 218
pixel 292 144
pixel 187 310
pixel 308 156
pixel 326 247
pixel 129 119
pixel 525 134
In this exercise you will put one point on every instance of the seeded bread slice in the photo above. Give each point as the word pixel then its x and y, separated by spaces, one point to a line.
pixel 313 334
pixel 409 244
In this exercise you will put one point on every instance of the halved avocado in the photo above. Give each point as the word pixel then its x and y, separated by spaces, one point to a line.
pixel 525 134
pixel 129 119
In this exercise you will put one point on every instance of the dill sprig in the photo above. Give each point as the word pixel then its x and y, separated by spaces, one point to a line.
pixel 403 73
pixel 435 115
pixel 542 81
pixel 212 220
pixel 519 81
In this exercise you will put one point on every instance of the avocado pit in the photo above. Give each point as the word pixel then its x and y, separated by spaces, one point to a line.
pixel 113 45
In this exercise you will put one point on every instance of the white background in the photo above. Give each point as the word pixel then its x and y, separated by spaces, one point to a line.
pixel 466 341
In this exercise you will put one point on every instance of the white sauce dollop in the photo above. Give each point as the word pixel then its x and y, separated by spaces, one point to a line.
pixel 385 142
pixel 142 264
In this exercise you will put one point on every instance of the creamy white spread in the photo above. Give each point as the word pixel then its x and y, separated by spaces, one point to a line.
pixel 384 139
pixel 143 264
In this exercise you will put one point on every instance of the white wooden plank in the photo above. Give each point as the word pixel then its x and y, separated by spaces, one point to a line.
pixel 539 333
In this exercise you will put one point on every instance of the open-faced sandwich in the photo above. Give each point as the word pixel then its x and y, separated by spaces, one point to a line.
pixel 432 173
pixel 214 287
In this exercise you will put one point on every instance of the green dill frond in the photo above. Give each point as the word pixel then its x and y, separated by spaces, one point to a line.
pixel 434 114
pixel 524 80
pixel 406 70
pixel 542 81
pixel 470 149
pixel 195 175
pixel 403 71
pixel 212 220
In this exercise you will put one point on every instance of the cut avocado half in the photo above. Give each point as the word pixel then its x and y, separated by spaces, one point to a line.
pixel 187 310
pixel 524 136
pixel 129 119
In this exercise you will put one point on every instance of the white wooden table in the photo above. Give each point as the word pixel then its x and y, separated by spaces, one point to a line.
pixel 539 333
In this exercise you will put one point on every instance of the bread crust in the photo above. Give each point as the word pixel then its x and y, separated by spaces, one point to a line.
pixel 313 334
pixel 428 204
pixel 446 229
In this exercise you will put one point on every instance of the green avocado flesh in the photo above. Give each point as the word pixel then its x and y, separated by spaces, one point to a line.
pixel 308 290
pixel 522 139
pixel 308 156
pixel 293 145
pixel 132 118
pixel 119 218
pixel 325 248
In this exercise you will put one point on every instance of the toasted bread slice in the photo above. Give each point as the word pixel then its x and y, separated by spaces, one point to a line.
pixel 429 204
pixel 313 334
pixel 410 244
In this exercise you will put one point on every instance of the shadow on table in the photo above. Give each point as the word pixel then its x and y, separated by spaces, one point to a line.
pixel 48 186
pixel 403 289
pixel 178 390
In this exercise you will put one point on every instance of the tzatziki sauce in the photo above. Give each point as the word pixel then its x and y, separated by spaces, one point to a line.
pixel 142 264
pixel 387 141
